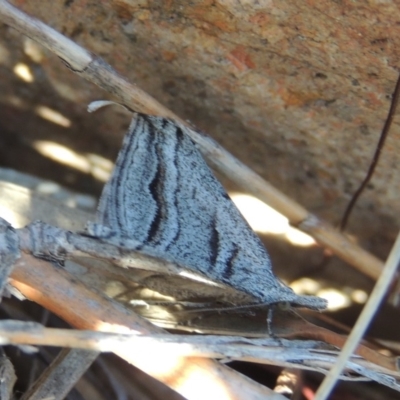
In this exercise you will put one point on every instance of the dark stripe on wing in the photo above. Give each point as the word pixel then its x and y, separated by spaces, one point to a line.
pixel 213 243
pixel 229 266
pixel 156 189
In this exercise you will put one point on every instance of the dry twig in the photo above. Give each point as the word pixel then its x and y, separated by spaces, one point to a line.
pixel 7 377
pixel 307 355
pixel 364 320
pixel 61 375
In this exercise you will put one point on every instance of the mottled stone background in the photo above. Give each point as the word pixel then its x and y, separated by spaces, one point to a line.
pixel 298 90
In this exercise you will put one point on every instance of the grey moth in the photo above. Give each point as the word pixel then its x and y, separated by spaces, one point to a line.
pixel 164 197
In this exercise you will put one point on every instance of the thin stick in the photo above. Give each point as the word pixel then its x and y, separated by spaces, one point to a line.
pixel 97 71
pixel 261 350
pixel 61 375
pixel 363 321
pixel 375 159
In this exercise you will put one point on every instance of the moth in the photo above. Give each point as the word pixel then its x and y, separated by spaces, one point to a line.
pixel 164 197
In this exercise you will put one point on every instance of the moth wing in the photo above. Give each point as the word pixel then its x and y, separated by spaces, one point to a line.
pixel 163 194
